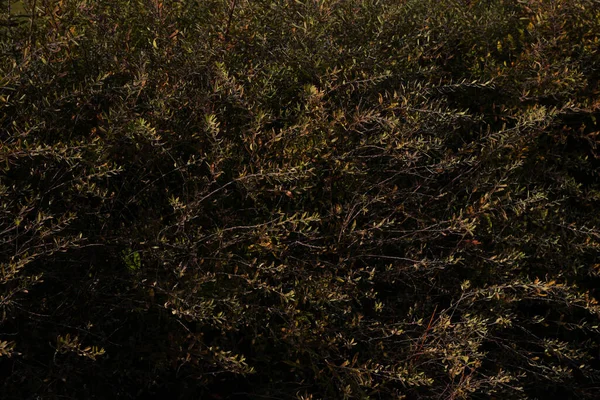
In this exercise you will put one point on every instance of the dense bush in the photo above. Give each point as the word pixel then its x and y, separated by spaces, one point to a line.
pixel 299 199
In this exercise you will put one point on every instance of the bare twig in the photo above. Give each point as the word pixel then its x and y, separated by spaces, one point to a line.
pixel 229 19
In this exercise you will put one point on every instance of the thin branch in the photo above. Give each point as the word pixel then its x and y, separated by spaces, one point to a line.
pixel 229 19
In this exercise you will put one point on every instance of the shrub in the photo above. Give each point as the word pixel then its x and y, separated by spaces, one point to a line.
pixel 308 199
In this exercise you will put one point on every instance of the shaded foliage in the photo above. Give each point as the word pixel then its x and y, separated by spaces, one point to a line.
pixel 308 199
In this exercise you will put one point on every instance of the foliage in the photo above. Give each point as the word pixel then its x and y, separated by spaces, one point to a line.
pixel 312 199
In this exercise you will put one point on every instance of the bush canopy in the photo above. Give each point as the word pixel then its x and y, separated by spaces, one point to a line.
pixel 308 199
